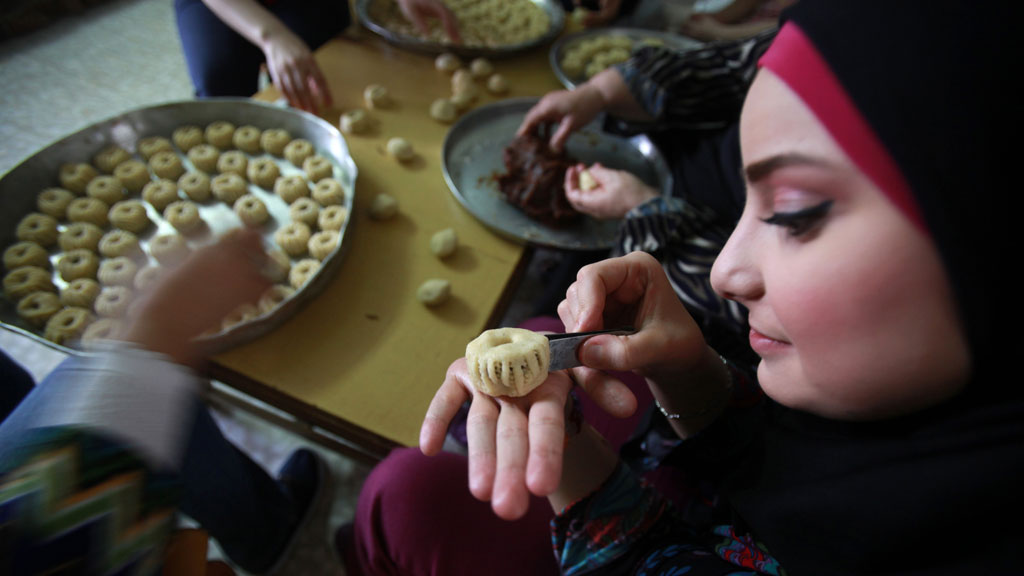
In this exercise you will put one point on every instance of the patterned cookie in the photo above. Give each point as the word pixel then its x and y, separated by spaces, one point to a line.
pixel 133 174
pixel 317 168
pixel 251 210
pixel 81 292
pixel 274 297
pixel 293 239
pixel 160 193
pixel 229 187
pixel 298 150
pixel 274 140
pixel 332 218
pixel 233 162
pixel 89 210
pixel 305 210
pixel 247 139
pixel 67 325
pixel 184 216
pixel 187 137
pixel 147 277
pixel 113 301
pixel 80 235
pixel 263 172
pixel 38 228
pixel 78 264
pixel 23 281
pixel 54 202
pixel 302 272
pixel 25 253
pixel 118 271
pixel 328 191
pixel 106 189
pixel 75 177
pixel 167 165
pixel 129 215
pixel 119 243
pixel 205 157
pixel 196 186
pixel 109 157
pixel 322 244
pixel 168 249
pixel 219 134
pixel 291 188
pixel 38 307
pixel 152 144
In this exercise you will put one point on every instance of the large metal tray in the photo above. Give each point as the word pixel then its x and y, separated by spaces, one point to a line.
pixel 20 187
pixel 472 158
pixel 636 35
pixel 556 16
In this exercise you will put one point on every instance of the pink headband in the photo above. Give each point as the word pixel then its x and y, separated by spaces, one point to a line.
pixel 794 59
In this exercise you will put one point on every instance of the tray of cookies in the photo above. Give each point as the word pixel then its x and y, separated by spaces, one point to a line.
pixel 577 57
pixel 93 219
pixel 488 27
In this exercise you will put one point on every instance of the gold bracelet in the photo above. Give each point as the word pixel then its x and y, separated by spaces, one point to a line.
pixel 698 413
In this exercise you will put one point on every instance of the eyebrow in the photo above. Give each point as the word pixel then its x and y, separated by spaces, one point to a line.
pixel 758 170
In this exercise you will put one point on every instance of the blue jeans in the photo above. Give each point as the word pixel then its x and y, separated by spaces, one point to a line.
pixel 231 496
pixel 221 62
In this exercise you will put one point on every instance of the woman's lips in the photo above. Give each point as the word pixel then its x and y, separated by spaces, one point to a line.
pixel 765 344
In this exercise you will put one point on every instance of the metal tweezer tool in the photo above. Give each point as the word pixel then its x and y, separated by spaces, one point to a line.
pixel 565 347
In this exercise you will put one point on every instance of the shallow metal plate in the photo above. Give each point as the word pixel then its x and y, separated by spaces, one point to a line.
pixel 566 43
pixel 472 158
pixel 556 17
pixel 20 187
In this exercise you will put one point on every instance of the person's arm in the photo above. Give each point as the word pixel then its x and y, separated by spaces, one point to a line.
pixel 711 30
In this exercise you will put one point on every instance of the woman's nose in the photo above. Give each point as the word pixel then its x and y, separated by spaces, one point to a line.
pixel 735 274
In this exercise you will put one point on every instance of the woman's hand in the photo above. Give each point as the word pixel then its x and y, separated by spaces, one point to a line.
pixel 616 192
pixel 607 10
pixel 419 11
pixel 294 70
pixel 570 109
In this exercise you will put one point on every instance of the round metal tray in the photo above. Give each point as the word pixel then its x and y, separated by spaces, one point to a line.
pixel 20 187
pixel 636 35
pixel 556 16
pixel 472 158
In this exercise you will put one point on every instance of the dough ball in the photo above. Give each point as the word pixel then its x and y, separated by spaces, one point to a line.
pixel 129 215
pixel 109 157
pixel 400 149
pixel 26 253
pixel 376 96
pixel 204 157
pixel 447 63
pixel 317 168
pixel 247 139
pixel 134 175
pixel 80 293
pixel 463 100
pixel 166 165
pixel 251 210
pixel 196 186
pixel 38 228
pixel 80 235
pixel 462 80
pixel 23 281
pixel 274 140
pixel 187 137
pixel 38 307
pixel 152 144
pixel 291 188
pixel 328 192
pixel 160 193
pixel 67 325
pixel 508 361
pixel 88 210
pixel 302 272
pixel 119 243
pixel 263 172
pixel 54 202
pixel 305 210
pixel 220 134
pixel 75 177
pixel 169 249
pixel 354 122
pixel 480 68
pixel 184 216
pixel 444 243
pixel 78 264
pixel 443 110
pixel 332 218
pixel 273 297
pixel 434 292
pixel 233 162
pixel 118 271
pixel 383 207
pixel 113 301
pixel 293 239
pixel 298 150
pixel 228 187
pixel 587 181
pixel 323 243
pixel 497 84
pixel 108 189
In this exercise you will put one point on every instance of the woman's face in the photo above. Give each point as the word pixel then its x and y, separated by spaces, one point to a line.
pixel 850 308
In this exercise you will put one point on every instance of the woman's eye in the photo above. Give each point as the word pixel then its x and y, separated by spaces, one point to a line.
pixel 800 221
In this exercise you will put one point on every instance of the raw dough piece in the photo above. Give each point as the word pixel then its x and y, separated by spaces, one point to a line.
pixel 400 149
pixel 434 292
pixel 187 137
pixel 80 235
pixel 306 211
pixel 274 297
pixel 152 144
pixel 587 181
pixel 462 80
pixel 463 100
pixel 38 307
pixel 332 218
pixel 444 243
pixel 229 187
pixel 278 266
pixel 383 207
pixel 263 172
pixel 80 293
pixel 204 157
pixel 113 301
pixel 23 281
pixel 442 110
pixel 75 177
pixel 133 174
pixel 119 243
pixel 147 277
pixel 328 192
pixel 88 210
pixel 480 68
pixel 109 157
pixel 219 134
pixel 166 165
pixel 354 122
pixel 322 244
pixel 508 361
pixel 103 329
pixel 107 189
pixel 274 140
pixel 78 264
pixel 25 253
pixel 118 271
pixel 160 193
pixel 247 139
pixel 291 188
pixel 38 228
pixel 129 215
pixel 298 150
pixel 54 202
pixel 168 249
pixel 183 215
pixel 302 271
pixel 317 168
pixel 293 239
pixel 447 63
pixel 67 325
pixel 376 96
pixel 251 210
pixel 497 84
pixel 195 185
pixel 233 162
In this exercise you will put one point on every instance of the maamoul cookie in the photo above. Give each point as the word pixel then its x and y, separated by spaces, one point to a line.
pixel 129 215
pixel 168 249
pixel 233 161
pixel 196 186
pixel 78 264
pixel 239 315
pixel 80 235
pixel 291 188
pixel 383 207
pixel 323 243
pixel 109 157
pixel 497 84
pixel 183 215
pixel 147 277
pixel 81 292
pixel 444 242
pixel 228 187
pixel 67 325
pixel 508 361
pixel 204 157
pixel 447 63
pixel 119 243
pixel 187 137
pixel 38 228
pixel 305 210
pixel 160 193
pixel 167 165
pixel 376 96
pixel 88 210
pixel 103 329
pixel 76 176
pixel 332 218
pixel 293 239
pixel 251 210
pixel 298 150
pixel 247 139
pixel 400 149
pixel 317 168
pixel 220 134
pixel 263 172
pixel 274 140
pixel 434 292
pixel 354 122
pixel 442 110
pixel 133 174
pixel 274 297
pixel 107 189
pixel 113 301
pixel 150 145
pixel 118 271
pixel 302 272
pixel 480 68
pixel 23 281
pixel 26 253
pixel 38 307
pixel 328 192
pixel 278 266
pixel 54 202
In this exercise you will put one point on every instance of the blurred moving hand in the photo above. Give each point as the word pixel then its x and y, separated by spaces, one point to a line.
pixel 616 192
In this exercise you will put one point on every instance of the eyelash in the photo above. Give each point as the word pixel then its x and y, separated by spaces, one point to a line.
pixel 801 221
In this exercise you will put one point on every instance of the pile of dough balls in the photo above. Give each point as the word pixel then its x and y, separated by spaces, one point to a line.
pixel 464 87
pixel 586 57
pixel 108 228
pixel 482 23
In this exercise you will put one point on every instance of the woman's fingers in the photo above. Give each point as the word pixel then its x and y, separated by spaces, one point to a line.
pixel 607 391
pixel 510 498
pixel 547 435
pixel 446 403
pixel 482 448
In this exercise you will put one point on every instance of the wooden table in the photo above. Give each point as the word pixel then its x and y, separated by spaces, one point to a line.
pixel 363 359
